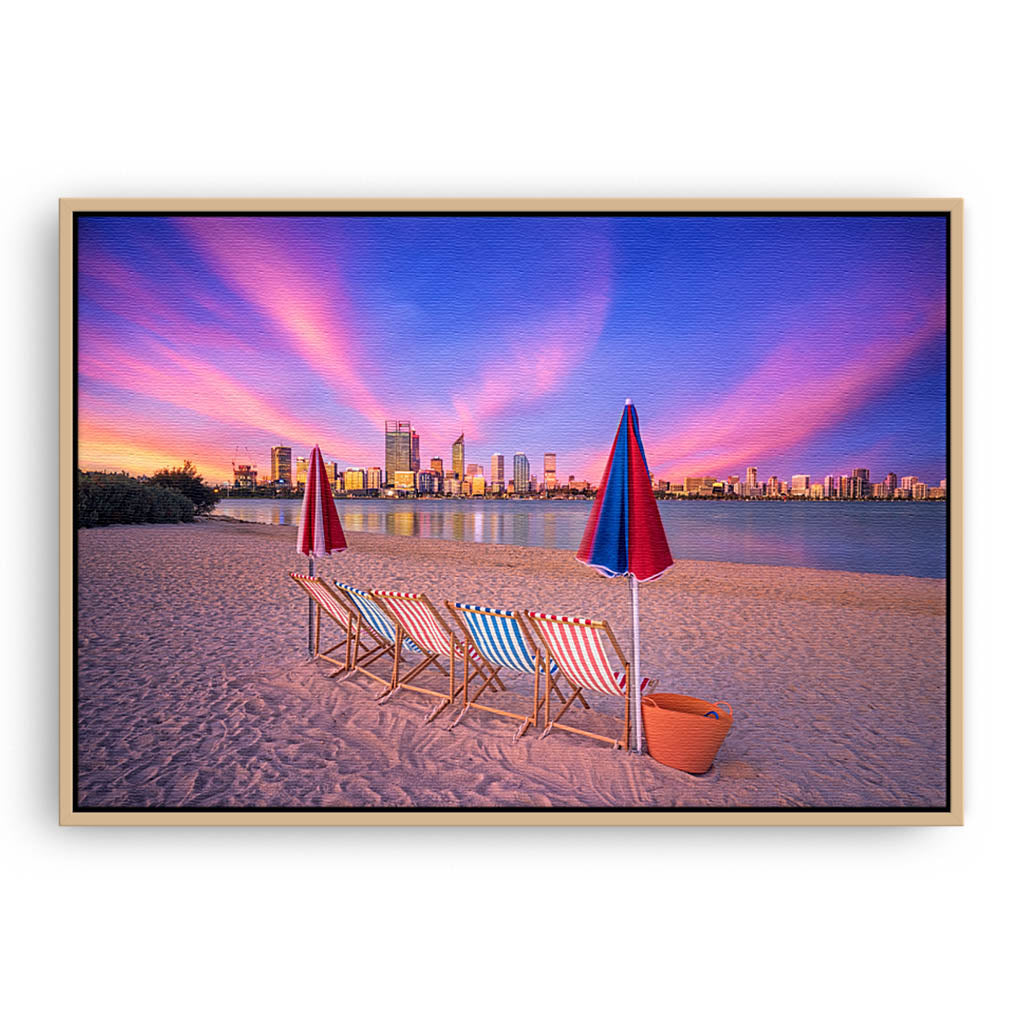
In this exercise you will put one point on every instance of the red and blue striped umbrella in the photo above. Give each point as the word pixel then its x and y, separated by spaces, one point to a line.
pixel 624 534
pixel 320 530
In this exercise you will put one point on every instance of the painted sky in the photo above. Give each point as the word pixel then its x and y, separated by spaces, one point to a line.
pixel 794 344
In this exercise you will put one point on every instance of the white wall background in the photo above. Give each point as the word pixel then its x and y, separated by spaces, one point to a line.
pixel 594 99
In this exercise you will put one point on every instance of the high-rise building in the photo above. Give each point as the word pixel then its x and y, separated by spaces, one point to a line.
pixel 405 480
pixel 398 449
pixel 479 485
pixel 828 487
pixel 355 479
pixel 414 452
pixel 459 457
pixel 428 481
pixel 497 469
pixel 890 484
pixel 801 484
pixel 907 482
pixel 919 491
pixel 245 477
pixel 437 465
pixel 373 478
pixel 281 466
pixel 862 474
pixel 521 473
pixel 301 472
pixel 550 473
pixel 751 481
pixel 473 469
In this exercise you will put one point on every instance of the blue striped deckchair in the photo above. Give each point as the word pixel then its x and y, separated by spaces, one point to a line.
pixel 503 642
pixel 374 635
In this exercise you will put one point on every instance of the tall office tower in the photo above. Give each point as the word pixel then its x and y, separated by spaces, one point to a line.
pixel 414 452
pixel 281 465
pixel 301 472
pixel 497 469
pixel 437 465
pixel 751 480
pixel 398 435
pixel 520 473
pixel 773 486
pixel 828 487
pixel 862 474
pixel 890 484
pixel 373 478
pixel 459 457
pixel 550 473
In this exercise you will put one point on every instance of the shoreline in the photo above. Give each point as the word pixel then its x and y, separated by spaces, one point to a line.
pixel 195 688
pixel 520 547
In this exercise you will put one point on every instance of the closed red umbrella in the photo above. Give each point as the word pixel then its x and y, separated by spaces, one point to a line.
pixel 320 531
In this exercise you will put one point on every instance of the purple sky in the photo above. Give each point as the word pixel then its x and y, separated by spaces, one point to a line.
pixel 794 344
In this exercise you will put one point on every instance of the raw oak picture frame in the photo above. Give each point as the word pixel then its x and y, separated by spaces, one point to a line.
pixel 952 814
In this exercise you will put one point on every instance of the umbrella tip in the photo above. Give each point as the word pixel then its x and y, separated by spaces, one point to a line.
pixel 629 401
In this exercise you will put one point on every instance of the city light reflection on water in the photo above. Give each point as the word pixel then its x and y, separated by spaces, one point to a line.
pixel 902 538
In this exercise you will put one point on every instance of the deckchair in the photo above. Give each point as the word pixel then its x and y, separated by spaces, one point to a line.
pixel 373 636
pixel 503 641
pixel 327 603
pixel 575 645
pixel 417 619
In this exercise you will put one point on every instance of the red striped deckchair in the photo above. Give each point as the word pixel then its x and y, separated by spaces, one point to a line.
pixel 326 601
pixel 575 645
pixel 417 619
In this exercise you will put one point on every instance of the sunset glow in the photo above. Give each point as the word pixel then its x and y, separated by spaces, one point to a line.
pixel 795 344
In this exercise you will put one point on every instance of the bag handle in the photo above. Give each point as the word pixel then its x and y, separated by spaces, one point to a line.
pixel 720 703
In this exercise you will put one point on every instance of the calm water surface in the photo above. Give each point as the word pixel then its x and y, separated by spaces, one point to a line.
pixel 899 538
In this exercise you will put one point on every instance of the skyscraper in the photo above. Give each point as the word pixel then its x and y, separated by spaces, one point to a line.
pixel 398 449
pixel 550 474
pixel 281 465
pixel 301 471
pixel 751 480
pixel 437 465
pixel 521 473
pixel 459 457
pixel 414 452
pixel 497 469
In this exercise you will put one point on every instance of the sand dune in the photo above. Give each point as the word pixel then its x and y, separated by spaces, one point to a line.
pixel 195 690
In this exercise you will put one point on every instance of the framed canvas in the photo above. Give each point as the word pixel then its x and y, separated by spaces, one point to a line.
pixel 511 511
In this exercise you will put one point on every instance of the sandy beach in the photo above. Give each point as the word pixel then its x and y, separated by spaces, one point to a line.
pixel 195 689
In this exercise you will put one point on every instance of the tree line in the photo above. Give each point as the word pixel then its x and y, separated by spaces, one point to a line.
pixel 175 495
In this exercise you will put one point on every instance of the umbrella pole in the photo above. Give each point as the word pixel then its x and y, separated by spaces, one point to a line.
pixel 309 631
pixel 634 600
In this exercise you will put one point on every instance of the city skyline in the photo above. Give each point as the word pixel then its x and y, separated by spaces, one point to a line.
pixel 806 343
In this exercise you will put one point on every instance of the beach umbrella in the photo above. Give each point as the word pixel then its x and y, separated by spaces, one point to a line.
pixel 320 530
pixel 624 534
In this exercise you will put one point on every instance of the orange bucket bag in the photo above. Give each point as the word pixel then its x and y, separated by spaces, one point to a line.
pixel 685 732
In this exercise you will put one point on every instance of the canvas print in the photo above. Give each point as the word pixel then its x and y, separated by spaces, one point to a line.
pixel 413 511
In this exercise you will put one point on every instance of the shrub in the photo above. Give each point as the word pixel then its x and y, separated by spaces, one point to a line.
pixel 186 480
pixel 104 499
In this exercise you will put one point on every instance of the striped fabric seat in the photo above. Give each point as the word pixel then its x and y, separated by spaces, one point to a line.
pixel 577 647
pixel 327 603
pixel 421 623
pixel 320 592
pixel 497 635
pixel 374 617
